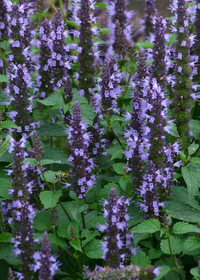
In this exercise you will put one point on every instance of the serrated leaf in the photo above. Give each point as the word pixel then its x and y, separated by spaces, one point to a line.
pixel 50 176
pixel 89 236
pixel 87 113
pixel 176 245
pixel 6 253
pixel 56 240
pixel 5 237
pixel 140 259
pixel 182 228
pixel 51 129
pixel 195 272
pixel 195 128
pixel 192 178
pixel 8 124
pixel 193 148
pixel 49 198
pixel 119 168
pixel 42 221
pixel 4 146
pixel 4 79
pixel 154 254
pixel 172 130
pixel 195 160
pixel 117 154
pixel 149 226
pixel 93 249
pixel 191 244
pixel 76 244
pixel 182 212
pixel 164 270
pixel 4 189
pixel 123 182
pixel 52 99
pixel 53 153
pixel 31 161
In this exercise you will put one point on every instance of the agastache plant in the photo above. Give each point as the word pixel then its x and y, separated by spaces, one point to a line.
pixel 58 59
pixel 137 140
pixel 45 77
pixel 149 192
pixel 3 19
pixel 20 83
pixel 20 34
pixel 82 165
pixel 150 11
pixel 116 247
pixel 181 102
pixel 158 68
pixel 45 262
pixel 109 86
pixel 86 59
pixel 24 246
pixel 197 39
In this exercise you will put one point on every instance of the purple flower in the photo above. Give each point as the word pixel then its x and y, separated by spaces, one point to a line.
pixel 5 9
pixel 109 86
pixel 82 165
pixel 158 68
pixel 58 57
pixel 150 11
pixel 45 262
pixel 44 80
pixel 20 82
pixel 86 68
pixel 116 247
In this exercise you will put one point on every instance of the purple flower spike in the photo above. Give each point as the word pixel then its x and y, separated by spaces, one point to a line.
pixel 25 248
pixel 110 79
pixel 58 59
pixel 19 181
pixel 45 262
pixel 20 82
pixel 5 8
pixel 86 55
pixel 149 192
pixel 159 52
pixel 44 80
pixel 150 11
pixel 82 165
pixel 116 247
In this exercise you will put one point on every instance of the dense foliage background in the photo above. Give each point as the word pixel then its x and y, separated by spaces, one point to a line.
pixel 99 143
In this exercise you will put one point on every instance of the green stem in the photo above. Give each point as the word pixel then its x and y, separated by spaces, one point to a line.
pixel 53 6
pixel 172 256
pixel 62 10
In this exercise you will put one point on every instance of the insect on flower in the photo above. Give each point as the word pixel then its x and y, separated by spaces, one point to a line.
pixel 62 176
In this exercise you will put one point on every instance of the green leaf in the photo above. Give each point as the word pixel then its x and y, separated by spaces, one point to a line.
pixel 51 129
pixel 56 154
pixel 146 45
pixel 88 114
pixel 4 189
pixel 31 161
pixel 4 146
pixel 49 198
pixel 88 236
pixel 195 128
pixel 117 154
pixel 42 221
pixel 50 176
pixel 182 228
pixel 140 259
pixel 149 226
pixel 5 237
pixel 195 272
pixel 154 254
pixel 193 148
pixel 76 244
pixel 51 100
pixel 195 160
pixel 56 240
pixel 119 168
pixel 8 124
pixel 4 79
pixel 93 249
pixel 100 5
pixel 51 161
pixel 176 245
pixel 165 269
pixel 124 181
pixel 192 177
pixel 191 244
pixel 173 130
pixel 6 253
